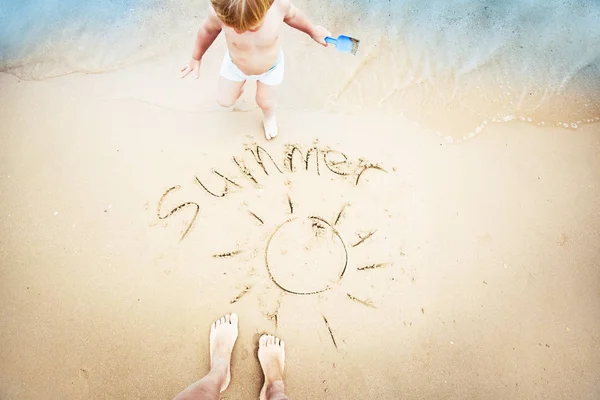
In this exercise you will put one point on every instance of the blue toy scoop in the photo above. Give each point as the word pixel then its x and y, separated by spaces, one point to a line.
pixel 344 43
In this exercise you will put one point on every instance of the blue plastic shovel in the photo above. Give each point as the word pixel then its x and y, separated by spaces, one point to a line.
pixel 344 43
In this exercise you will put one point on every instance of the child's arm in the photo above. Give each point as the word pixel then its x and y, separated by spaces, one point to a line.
pixel 208 32
pixel 297 20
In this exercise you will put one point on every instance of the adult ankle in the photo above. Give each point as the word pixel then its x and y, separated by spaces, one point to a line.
pixel 275 387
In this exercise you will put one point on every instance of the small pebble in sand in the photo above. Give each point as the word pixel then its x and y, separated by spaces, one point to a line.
pixel 55 212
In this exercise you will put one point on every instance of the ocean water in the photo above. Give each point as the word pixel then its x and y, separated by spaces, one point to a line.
pixel 47 38
pixel 535 61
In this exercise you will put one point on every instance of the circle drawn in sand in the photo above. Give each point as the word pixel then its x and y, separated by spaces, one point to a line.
pixel 305 256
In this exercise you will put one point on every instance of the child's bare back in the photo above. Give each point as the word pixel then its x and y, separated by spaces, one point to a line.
pixel 252 29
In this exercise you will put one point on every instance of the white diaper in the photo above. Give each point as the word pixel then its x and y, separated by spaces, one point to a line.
pixel 272 77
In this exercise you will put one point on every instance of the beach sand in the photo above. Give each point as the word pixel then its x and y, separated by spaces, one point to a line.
pixel 444 271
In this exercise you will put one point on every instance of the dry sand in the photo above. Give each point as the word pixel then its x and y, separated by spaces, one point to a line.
pixel 470 271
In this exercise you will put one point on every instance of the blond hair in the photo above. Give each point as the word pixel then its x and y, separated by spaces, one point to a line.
pixel 242 15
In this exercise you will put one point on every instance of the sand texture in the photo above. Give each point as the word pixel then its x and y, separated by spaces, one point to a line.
pixel 393 264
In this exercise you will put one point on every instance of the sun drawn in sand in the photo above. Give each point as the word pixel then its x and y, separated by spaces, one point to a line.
pixel 306 256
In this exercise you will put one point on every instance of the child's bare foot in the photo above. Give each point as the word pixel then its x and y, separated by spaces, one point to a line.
pixel 271 354
pixel 223 334
pixel 270 125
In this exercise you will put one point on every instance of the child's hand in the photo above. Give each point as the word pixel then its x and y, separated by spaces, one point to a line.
pixel 192 66
pixel 319 33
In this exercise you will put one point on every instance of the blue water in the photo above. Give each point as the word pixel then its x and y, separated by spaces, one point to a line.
pixel 535 60
pixel 530 60
pixel 28 21
pixel 30 28
pixel 46 38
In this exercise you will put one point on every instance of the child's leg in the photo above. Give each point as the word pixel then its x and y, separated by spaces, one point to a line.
pixel 266 98
pixel 229 91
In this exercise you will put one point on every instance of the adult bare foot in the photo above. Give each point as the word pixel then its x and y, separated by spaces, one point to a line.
pixel 271 354
pixel 223 334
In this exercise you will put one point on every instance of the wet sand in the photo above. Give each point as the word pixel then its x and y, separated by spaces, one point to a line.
pixel 469 271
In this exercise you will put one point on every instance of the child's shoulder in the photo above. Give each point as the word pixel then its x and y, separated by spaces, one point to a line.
pixel 213 18
pixel 283 5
